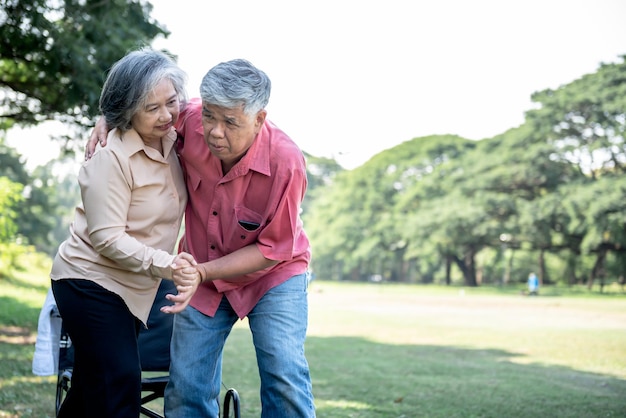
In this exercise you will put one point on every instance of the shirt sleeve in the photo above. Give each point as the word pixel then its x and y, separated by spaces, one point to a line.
pixel 106 188
pixel 190 109
pixel 280 239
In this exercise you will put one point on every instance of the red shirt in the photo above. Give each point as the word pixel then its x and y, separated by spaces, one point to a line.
pixel 256 202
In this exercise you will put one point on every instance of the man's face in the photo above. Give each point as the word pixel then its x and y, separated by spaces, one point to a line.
pixel 229 132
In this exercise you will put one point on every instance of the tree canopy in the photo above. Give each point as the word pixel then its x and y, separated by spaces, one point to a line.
pixel 551 192
pixel 54 55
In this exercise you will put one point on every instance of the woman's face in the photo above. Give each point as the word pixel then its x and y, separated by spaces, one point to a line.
pixel 159 114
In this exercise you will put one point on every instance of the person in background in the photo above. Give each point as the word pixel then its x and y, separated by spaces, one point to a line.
pixel 246 181
pixel 533 284
pixel 106 274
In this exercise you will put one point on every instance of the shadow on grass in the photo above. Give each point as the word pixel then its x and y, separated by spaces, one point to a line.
pixel 356 377
pixel 373 380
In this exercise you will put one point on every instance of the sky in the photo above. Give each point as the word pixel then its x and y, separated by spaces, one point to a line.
pixel 353 78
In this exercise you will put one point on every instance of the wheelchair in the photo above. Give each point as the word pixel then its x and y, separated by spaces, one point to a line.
pixel 155 359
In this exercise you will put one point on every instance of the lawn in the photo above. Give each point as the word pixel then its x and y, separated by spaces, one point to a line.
pixel 383 350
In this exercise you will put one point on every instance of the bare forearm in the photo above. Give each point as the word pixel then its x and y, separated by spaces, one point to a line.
pixel 98 134
pixel 243 261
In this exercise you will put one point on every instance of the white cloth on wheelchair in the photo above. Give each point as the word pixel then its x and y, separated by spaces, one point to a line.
pixel 46 357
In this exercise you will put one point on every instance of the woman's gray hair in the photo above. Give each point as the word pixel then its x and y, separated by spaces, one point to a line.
pixel 132 79
pixel 236 83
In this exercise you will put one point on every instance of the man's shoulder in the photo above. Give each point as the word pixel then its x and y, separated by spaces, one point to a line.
pixel 193 105
pixel 284 155
pixel 279 139
pixel 191 109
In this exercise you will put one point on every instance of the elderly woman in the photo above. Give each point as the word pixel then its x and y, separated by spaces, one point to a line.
pixel 106 274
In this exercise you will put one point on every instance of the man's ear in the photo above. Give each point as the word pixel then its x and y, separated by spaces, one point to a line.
pixel 260 118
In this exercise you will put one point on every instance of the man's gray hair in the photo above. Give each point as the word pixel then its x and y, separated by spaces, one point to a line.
pixel 132 79
pixel 236 83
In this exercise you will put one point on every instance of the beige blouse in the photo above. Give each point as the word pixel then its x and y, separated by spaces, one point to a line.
pixel 125 231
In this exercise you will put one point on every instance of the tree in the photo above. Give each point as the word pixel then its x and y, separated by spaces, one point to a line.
pixel 605 218
pixel 320 172
pixel 10 197
pixel 355 225
pixel 54 55
pixel 37 212
pixel 585 124
pixel 586 120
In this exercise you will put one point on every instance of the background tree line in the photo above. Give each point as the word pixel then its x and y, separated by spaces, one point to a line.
pixel 547 196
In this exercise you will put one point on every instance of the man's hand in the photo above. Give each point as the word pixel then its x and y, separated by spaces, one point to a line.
pixel 98 135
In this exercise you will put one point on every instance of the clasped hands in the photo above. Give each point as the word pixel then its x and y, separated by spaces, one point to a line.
pixel 187 279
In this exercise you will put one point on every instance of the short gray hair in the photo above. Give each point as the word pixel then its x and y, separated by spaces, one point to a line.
pixel 236 83
pixel 132 79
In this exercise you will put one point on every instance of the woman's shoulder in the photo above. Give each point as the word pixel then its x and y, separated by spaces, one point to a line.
pixel 118 148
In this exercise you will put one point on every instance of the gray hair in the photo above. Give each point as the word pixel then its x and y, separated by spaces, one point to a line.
pixel 236 83
pixel 132 79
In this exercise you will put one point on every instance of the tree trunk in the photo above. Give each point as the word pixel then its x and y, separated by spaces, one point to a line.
pixel 509 269
pixel 542 267
pixel 470 276
pixel 596 267
pixel 572 261
pixel 468 268
pixel 398 268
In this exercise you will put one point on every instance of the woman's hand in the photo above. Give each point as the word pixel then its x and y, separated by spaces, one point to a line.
pixel 187 279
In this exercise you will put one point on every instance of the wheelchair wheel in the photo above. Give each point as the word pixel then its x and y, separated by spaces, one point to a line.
pixel 231 395
pixel 63 385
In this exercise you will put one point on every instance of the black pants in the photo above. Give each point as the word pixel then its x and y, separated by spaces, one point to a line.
pixel 106 381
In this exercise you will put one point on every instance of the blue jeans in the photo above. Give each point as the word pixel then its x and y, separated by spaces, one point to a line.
pixel 278 323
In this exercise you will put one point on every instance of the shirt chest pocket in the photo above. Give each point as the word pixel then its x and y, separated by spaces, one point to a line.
pixel 246 227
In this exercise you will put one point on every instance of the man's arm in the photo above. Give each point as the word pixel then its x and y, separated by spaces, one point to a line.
pixel 98 134
pixel 238 263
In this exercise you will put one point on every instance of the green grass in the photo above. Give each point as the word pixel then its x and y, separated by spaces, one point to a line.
pixel 433 352
pixel 23 394
pixel 382 350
